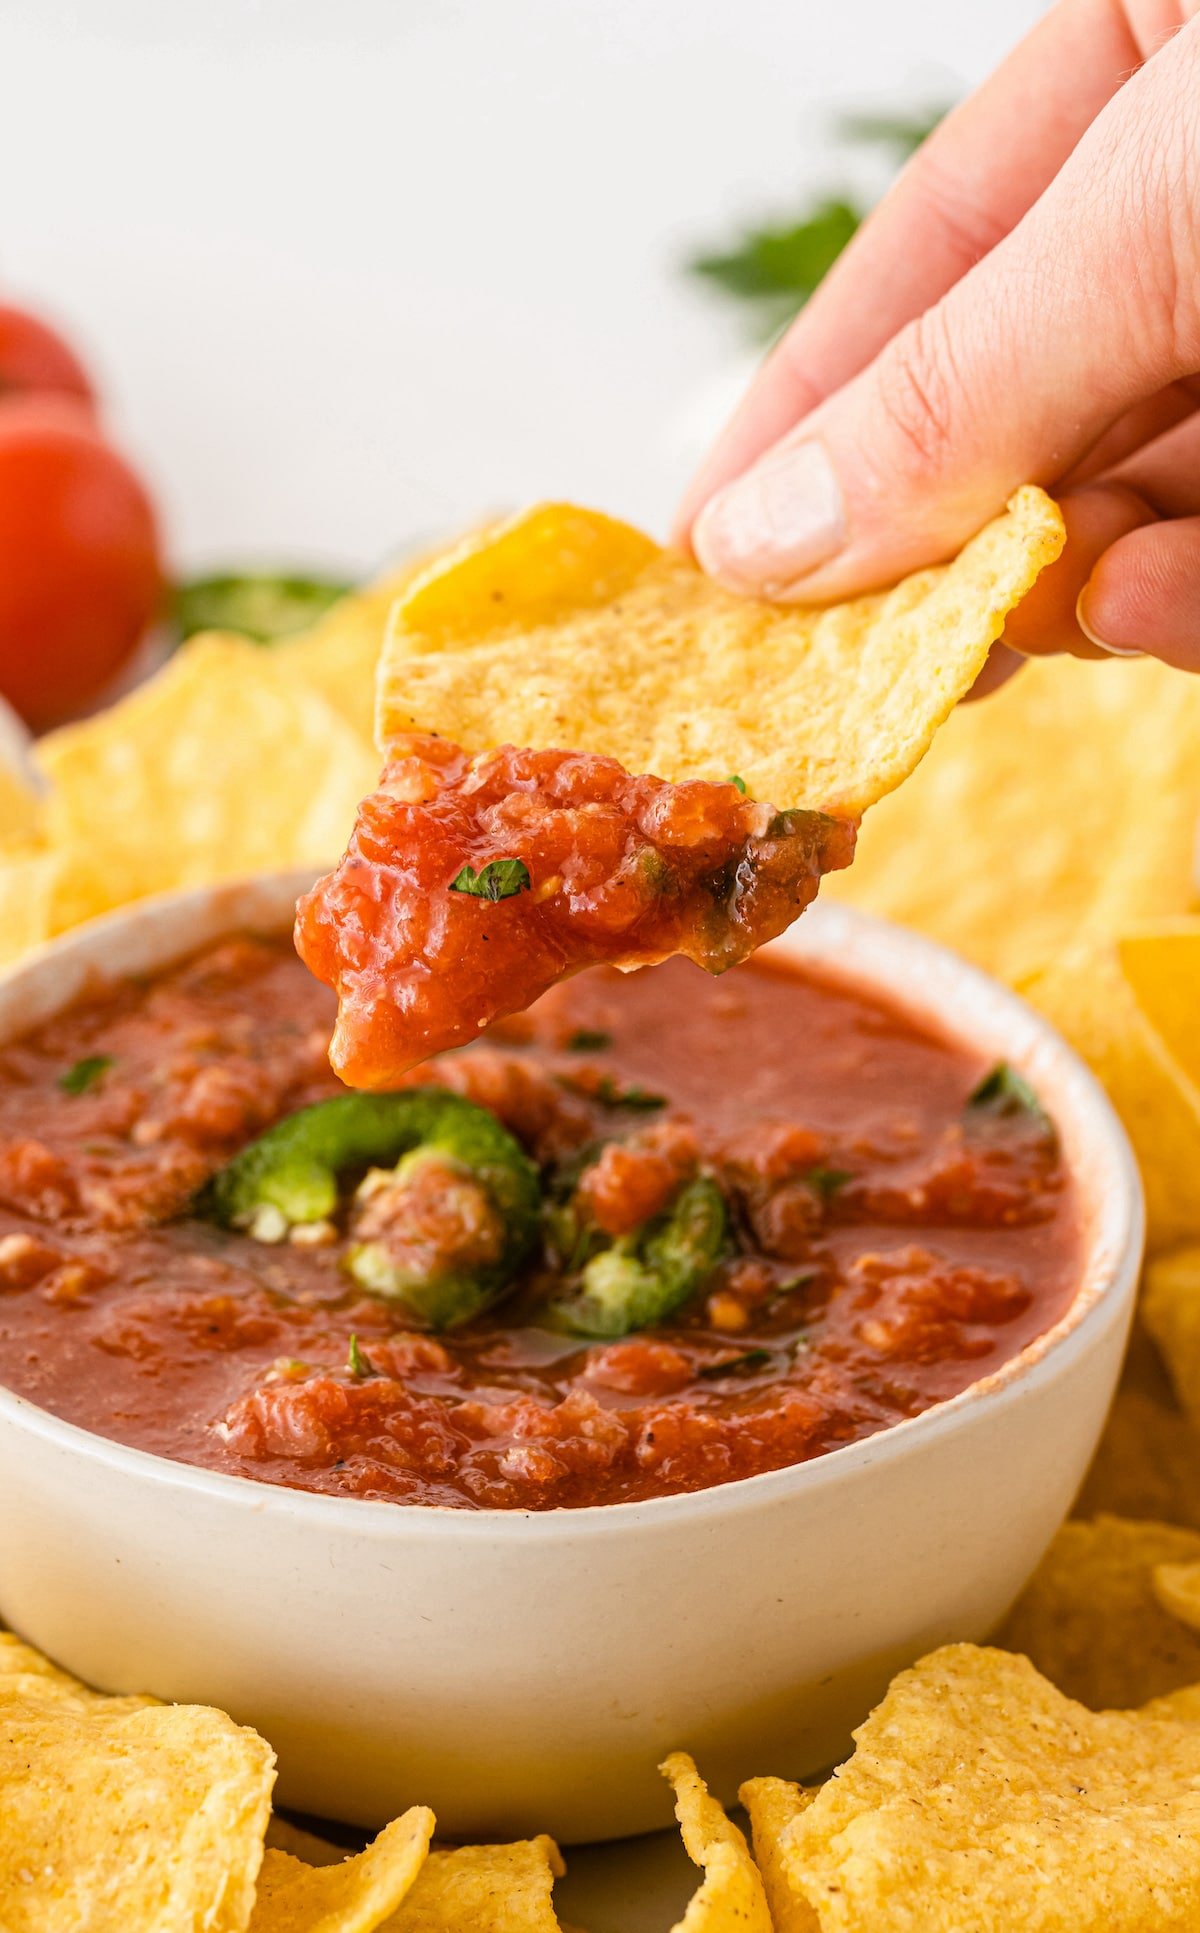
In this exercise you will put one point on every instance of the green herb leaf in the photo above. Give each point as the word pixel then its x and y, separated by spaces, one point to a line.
pixel 735 1365
pixel 607 1092
pixel 1007 1094
pixel 358 1362
pixel 735 779
pixel 588 1040
pixel 499 879
pixel 85 1073
pixel 782 266
pixel 828 1181
pixel 799 1280
pixel 903 134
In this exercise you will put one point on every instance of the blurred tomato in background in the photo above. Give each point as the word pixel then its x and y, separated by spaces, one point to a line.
pixel 81 573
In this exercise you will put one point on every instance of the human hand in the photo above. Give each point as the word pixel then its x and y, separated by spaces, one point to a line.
pixel 1023 305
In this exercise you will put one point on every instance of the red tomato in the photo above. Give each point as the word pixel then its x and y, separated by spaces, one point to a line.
pixel 33 357
pixel 80 575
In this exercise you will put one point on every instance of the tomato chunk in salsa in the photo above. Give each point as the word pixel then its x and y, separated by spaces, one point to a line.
pixel 472 884
pixel 874 1219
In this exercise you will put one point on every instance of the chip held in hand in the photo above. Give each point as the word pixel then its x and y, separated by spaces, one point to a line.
pixel 597 756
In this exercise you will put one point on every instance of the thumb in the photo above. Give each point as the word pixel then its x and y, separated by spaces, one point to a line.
pixel 1091 304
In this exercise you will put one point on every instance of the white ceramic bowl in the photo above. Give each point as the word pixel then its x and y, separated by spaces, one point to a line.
pixel 526 1671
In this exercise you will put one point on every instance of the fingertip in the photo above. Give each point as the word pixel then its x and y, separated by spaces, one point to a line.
pixel 1144 595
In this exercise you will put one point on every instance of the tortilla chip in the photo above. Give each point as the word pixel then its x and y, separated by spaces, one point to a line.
pixel 488 1889
pixel 218 768
pixel 1089 996
pixel 1147 1461
pixel 1090 1619
pixel 772 1805
pixel 338 657
pixel 283 1836
pixel 355 1895
pixel 731 1896
pixel 27 881
pixel 1170 1309
pixel 566 629
pixel 980 1798
pixel 126 1821
pixel 1177 1588
pixel 1182 1707
pixel 1057 814
pixel 25 1675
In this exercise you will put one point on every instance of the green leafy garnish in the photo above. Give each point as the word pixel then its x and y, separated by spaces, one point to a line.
pixel 774 267
pixel 736 779
pixel 735 1365
pixel 777 268
pixel 85 1073
pixel 828 1181
pixel 588 1040
pixel 1008 1095
pixel 800 1280
pixel 607 1092
pixel 358 1362
pixel 499 879
pixel 262 605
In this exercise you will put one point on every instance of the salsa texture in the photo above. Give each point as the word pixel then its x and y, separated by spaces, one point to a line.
pixel 472 883
pixel 807 1217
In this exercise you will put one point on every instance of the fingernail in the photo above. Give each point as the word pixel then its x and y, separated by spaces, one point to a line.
pixel 775 524
pixel 1093 636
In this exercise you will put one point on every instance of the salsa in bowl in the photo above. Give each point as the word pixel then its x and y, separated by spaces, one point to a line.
pixel 661 1232
pixel 711 1384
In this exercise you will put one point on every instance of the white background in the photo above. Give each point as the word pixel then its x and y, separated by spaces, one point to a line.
pixel 352 273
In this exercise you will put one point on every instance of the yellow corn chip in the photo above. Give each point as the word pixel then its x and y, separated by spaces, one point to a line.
pixel 27 880
pixel 1148 1456
pixel 1089 997
pixel 731 1897
pixel 1060 811
pixel 1170 1309
pixel 488 1889
pixel 218 768
pixel 355 1895
pixel 1091 1622
pixel 283 1836
pixel 980 1800
pixel 338 657
pixel 1177 1588
pixel 772 1805
pixel 28 1676
pixel 566 629
pixel 1182 1707
pixel 127 1821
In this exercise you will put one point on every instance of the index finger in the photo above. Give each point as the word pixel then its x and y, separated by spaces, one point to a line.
pixel 967 186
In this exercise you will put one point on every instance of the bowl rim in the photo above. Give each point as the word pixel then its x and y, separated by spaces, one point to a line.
pixel 1112 1256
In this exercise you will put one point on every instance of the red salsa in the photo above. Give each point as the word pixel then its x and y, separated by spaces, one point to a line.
pixel 678 1230
pixel 472 884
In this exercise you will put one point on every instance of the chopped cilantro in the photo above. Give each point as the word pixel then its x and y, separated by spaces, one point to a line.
pixel 609 1094
pixel 734 779
pixel 358 1362
pixel 499 879
pixel 588 1040
pixel 85 1073
pixel 734 1365
pixel 1006 1093
pixel 799 1280
pixel 827 1181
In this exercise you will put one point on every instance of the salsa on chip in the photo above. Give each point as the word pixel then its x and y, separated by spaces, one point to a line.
pixel 597 756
